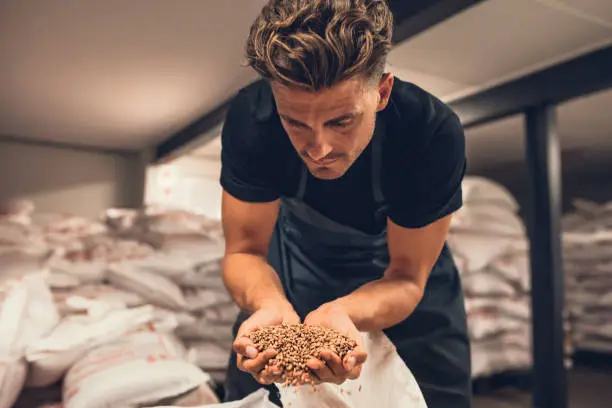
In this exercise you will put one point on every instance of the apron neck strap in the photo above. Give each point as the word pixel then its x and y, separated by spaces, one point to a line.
pixel 302 186
pixel 377 142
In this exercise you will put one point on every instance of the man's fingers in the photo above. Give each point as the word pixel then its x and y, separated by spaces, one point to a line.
pixel 255 365
pixel 323 372
pixel 353 363
pixel 269 375
pixel 244 346
pixel 334 363
pixel 354 373
pixel 355 358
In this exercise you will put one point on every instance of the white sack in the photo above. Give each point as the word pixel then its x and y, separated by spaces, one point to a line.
pixel 258 399
pixel 486 323
pixel 515 268
pixel 594 344
pixel 518 308
pixel 585 330
pixel 203 329
pixel 156 289
pixel 201 299
pixel 179 243
pixel 479 190
pixel 12 377
pixel 27 313
pixel 480 250
pixel 62 281
pixel 498 359
pixel 488 219
pixel 85 271
pixel 488 284
pixel 207 280
pixel 385 382
pixel 203 395
pixel 107 294
pixel 220 313
pixel 141 368
pixel 14 233
pixel 52 355
pixel 165 264
pixel 17 262
pixel 208 355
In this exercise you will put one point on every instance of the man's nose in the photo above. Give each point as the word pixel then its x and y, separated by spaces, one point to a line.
pixel 319 149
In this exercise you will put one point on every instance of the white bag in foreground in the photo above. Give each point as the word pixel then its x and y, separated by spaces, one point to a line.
pixel 53 355
pixel 27 312
pixel 385 382
pixel 141 369
pixel 258 399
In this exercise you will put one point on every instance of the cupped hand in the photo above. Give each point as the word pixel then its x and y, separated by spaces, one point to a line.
pixel 329 367
pixel 249 359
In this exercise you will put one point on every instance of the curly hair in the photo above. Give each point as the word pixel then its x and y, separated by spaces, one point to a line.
pixel 315 44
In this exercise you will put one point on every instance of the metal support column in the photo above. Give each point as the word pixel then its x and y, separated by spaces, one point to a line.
pixel 544 164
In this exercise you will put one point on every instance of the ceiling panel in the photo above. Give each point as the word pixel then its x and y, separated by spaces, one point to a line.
pixel 497 39
pixel 436 85
pixel 117 73
pixel 600 10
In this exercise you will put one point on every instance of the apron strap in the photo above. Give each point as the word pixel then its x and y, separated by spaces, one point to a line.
pixel 379 132
pixel 302 186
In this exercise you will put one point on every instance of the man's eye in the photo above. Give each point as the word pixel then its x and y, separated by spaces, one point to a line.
pixel 342 124
pixel 295 124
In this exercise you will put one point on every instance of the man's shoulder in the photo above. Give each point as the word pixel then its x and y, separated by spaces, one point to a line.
pixel 418 119
pixel 255 101
pixel 416 108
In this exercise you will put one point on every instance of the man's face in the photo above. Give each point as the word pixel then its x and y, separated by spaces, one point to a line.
pixel 331 127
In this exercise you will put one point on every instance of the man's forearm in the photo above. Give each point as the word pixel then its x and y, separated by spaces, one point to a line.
pixel 252 282
pixel 382 303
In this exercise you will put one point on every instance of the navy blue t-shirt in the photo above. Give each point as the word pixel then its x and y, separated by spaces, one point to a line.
pixel 423 161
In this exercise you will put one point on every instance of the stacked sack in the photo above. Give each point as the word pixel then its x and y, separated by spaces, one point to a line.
pixel 168 259
pixel 587 253
pixel 134 306
pixel 189 250
pixel 488 241
pixel 105 356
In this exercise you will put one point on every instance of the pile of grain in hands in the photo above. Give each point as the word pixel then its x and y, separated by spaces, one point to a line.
pixel 296 344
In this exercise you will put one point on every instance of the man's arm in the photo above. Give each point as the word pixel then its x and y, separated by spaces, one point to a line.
pixel 391 299
pixel 416 231
pixel 248 277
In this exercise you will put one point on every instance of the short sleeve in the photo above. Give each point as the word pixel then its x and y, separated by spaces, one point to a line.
pixel 245 173
pixel 428 187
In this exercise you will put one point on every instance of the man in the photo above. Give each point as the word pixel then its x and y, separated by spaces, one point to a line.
pixel 339 185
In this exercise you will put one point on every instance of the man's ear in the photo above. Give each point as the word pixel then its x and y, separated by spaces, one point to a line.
pixel 384 90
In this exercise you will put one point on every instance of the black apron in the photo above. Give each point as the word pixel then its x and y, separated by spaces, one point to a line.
pixel 319 260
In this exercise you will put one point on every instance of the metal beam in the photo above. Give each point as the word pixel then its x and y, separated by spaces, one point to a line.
pixel 543 155
pixel 412 17
pixel 200 132
pixel 415 16
pixel 572 79
pixel 65 145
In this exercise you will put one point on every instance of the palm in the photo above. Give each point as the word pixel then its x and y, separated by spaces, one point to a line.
pixel 249 359
pixel 329 367
pixel 340 322
pixel 266 317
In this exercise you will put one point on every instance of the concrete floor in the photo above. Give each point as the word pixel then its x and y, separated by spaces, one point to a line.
pixel 588 388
